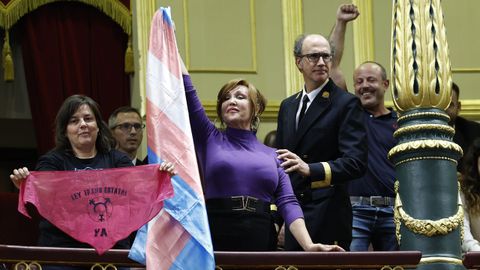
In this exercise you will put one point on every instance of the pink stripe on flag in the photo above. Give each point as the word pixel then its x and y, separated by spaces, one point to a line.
pixel 170 243
pixel 175 148
pixel 164 46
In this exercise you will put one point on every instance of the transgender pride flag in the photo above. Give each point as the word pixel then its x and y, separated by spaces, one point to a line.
pixel 179 237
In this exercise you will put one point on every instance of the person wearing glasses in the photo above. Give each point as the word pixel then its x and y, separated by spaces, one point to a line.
pixel 82 142
pixel 322 145
pixel 127 129
pixel 241 176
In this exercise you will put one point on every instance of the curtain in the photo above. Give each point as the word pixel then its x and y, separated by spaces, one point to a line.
pixel 14 95
pixel 71 48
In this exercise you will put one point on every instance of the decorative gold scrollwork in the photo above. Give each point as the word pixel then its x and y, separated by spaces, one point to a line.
pixel 424 127
pixel 98 266
pixel 437 259
pixel 418 81
pixel 426 227
pixel 388 267
pixel 290 267
pixel 27 266
pixel 396 217
pixel 425 158
pixel 424 144
pixel 424 114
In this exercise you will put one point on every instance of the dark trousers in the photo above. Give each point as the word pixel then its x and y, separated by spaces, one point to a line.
pixel 241 230
pixel 328 218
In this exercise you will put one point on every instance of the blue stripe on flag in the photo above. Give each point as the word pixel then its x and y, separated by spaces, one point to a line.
pixel 138 251
pixel 186 207
pixel 167 16
pixel 190 211
pixel 152 157
pixel 192 256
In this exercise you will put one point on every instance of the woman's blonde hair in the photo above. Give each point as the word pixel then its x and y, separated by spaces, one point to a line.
pixel 257 100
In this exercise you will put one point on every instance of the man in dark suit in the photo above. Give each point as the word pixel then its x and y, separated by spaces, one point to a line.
pixel 466 131
pixel 127 129
pixel 324 145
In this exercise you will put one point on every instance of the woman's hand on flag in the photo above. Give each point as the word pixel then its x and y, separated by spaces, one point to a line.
pixel 19 176
pixel 167 167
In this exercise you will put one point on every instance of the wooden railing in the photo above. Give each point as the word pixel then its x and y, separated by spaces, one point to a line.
pixel 471 260
pixel 32 255
pixel 29 257
pixel 26 257
pixel 317 260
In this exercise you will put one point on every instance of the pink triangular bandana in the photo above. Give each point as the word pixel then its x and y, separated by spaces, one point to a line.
pixel 98 207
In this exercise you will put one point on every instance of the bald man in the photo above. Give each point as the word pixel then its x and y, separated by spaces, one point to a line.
pixel 372 195
pixel 322 142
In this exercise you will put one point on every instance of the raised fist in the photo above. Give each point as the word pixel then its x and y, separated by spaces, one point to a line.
pixel 347 12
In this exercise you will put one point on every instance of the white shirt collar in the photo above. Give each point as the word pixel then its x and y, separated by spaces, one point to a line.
pixel 313 94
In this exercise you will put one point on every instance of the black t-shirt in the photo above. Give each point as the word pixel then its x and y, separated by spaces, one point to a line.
pixel 50 235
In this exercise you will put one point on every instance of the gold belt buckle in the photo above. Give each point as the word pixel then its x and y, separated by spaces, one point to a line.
pixel 245 203
pixel 248 207
pixel 241 203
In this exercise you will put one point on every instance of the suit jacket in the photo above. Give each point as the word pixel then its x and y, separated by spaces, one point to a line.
pixel 141 162
pixel 332 139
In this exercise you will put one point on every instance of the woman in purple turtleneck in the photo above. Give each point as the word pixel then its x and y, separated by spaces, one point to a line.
pixel 241 175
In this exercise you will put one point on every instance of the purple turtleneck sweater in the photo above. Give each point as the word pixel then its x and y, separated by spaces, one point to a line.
pixel 235 163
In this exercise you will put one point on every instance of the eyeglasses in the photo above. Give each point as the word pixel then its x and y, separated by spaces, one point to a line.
pixel 126 127
pixel 314 57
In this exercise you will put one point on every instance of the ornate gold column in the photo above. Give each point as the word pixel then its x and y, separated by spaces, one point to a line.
pixel 363 45
pixel 292 18
pixel 422 76
pixel 428 212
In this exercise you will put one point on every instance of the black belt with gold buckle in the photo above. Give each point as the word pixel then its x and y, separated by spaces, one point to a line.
pixel 239 203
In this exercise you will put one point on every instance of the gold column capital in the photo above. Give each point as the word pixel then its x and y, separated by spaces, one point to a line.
pixel 421 72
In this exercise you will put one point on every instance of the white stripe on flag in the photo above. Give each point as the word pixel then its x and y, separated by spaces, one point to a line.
pixel 162 90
